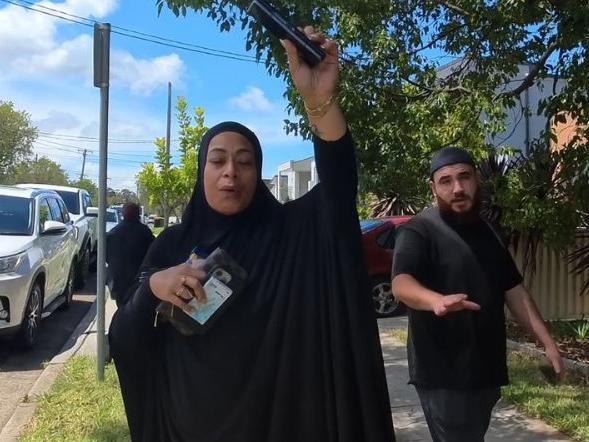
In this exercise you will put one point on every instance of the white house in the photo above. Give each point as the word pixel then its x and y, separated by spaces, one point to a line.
pixel 294 179
pixel 523 122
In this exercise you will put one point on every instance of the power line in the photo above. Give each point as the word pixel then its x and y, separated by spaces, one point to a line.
pixel 144 34
pixel 136 34
pixel 67 137
pixel 80 149
pixel 93 158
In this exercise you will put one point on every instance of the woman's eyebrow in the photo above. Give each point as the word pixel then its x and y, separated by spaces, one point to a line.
pixel 245 150
pixel 216 149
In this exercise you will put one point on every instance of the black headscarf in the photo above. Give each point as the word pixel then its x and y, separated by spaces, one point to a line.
pixel 204 226
pixel 296 356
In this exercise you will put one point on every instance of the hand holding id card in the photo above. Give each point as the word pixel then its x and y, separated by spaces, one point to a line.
pixel 225 279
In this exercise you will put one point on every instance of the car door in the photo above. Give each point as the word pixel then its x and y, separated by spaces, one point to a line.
pixel 62 251
pixel 49 245
pixel 72 241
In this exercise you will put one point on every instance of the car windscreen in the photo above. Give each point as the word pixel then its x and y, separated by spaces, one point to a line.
pixel 71 201
pixel 369 224
pixel 16 215
pixel 111 217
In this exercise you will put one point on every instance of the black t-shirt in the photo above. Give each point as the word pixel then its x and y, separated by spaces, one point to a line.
pixel 463 349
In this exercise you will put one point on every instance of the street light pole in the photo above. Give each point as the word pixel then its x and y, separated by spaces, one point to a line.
pixel 101 80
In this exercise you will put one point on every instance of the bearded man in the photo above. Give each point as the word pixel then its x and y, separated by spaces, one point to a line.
pixel 455 276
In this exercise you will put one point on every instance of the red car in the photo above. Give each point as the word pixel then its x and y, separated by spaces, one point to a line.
pixel 378 240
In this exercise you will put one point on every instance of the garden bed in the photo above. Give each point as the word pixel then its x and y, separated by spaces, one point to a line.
pixel 567 334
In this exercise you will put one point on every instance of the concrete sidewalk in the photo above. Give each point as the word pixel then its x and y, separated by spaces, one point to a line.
pixel 506 425
pixel 81 342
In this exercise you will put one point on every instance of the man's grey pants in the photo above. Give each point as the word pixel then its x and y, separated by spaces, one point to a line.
pixel 458 415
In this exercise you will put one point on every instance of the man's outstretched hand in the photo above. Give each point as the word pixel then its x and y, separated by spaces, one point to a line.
pixel 453 303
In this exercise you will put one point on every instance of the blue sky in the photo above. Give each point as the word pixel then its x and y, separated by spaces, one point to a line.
pixel 46 70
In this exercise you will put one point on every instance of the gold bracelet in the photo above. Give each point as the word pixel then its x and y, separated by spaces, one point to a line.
pixel 321 110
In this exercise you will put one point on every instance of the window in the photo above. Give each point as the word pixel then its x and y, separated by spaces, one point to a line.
pixel 56 214
pixel 64 211
pixel 71 201
pixel 44 213
pixel 16 215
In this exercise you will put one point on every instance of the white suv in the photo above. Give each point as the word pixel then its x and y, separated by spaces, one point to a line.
pixel 37 259
pixel 77 202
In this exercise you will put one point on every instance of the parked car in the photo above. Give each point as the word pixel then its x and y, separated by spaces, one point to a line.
pixel 37 259
pixel 119 208
pixel 112 217
pixel 77 202
pixel 378 240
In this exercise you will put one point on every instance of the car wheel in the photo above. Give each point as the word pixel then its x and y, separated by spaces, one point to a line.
pixel 29 328
pixel 68 291
pixel 82 269
pixel 385 304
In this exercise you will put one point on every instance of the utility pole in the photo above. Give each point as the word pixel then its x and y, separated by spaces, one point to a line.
pixel 168 130
pixel 101 80
pixel 83 164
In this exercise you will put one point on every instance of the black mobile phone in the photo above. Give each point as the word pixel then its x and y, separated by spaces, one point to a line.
pixel 280 28
pixel 225 280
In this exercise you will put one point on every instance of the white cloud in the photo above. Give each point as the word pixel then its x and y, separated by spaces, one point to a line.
pixel 29 46
pixel 144 76
pixel 252 100
pixel 23 31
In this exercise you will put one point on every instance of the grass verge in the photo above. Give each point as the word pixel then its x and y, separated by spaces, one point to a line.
pixel 565 406
pixel 79 408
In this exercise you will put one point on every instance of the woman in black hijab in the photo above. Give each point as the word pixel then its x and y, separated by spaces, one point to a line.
pixel 296 356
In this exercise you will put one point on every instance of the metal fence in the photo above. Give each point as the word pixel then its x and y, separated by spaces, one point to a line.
pixel 554 288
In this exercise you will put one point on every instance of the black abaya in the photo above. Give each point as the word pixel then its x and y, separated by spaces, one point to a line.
pixel 296 357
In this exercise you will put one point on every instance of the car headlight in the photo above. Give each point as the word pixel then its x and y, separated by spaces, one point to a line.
pixel 9 264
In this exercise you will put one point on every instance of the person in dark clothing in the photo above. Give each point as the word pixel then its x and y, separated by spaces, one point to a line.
pixel 126 246
pixel 296 356
pixel 455 275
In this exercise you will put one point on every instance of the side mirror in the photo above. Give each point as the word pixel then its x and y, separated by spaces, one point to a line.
pixel 53 227
pixel 92 211
pixel 386 239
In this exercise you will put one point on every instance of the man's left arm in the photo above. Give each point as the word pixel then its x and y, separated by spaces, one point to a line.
pixel 523 308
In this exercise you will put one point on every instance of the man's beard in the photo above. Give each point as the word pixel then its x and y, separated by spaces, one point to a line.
pixel 471 215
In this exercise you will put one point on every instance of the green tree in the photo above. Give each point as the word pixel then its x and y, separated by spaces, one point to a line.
pixel 167 186
pixel 16 139
pixel 157 179
pixel 191 131
pixel 401 108
pixel 89 186
pixel 41 170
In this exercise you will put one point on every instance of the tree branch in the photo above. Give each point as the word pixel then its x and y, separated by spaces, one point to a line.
pixel 533 73
pixel 456 9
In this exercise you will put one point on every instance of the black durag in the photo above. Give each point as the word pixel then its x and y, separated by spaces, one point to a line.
pixel 448 156
pixel 296 357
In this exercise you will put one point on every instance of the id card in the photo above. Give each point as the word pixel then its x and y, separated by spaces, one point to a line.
pixel 225 280
pixel 217 293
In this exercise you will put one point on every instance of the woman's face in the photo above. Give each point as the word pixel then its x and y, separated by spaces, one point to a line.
pixel 230 174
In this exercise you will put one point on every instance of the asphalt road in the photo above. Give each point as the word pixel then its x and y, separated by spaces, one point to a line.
pixel 20 369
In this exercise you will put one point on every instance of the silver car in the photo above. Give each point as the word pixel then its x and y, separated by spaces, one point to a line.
pixel 37 259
